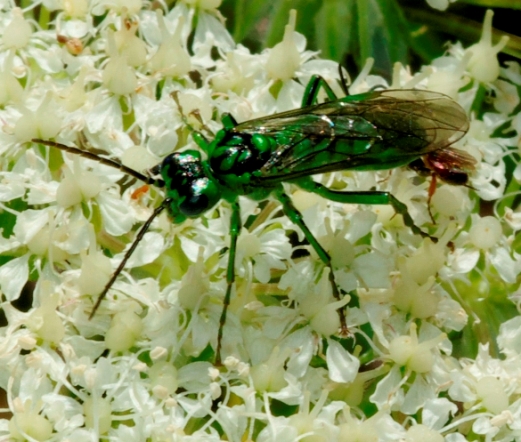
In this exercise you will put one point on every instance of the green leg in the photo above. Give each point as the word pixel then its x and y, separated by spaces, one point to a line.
pixel 235 228
pixel 313 88
pixel 294 215
pixel 198 137
pixel 365 197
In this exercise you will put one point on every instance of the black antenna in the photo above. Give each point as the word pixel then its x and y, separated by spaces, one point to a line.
pixel 102 160
pixel 129 253
pixel 144 227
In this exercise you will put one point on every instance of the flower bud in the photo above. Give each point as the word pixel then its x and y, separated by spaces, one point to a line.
pixel 492 394
pixel 76 8
pixel 406 351
pixel 119 77
pixel 284 58
pixel 486 232
pixel 125 328
pixel 45 322
pixel 16 34
pixel 29 423
pixel 194 285
pixel 98 414
pixel 269 376
pixel 483 64
pixel 163 374
pixel 43 123
pixel 422 433
pixel 10 89
pixel 129 45
pixel 171 59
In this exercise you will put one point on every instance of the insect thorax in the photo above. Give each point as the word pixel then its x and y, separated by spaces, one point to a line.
pixel 237 159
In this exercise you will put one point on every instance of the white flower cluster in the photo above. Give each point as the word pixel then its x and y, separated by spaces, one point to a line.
pixel 130 80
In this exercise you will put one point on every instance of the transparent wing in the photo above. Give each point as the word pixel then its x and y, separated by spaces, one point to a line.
pixel 452 158
pixel 376 130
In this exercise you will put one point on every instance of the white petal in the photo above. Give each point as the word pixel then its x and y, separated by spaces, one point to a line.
pixel 11 188
pixel 148 249
pixel 386 393
pixel 261 270
pixel 29 223
pixel 301 344
pixel 342 365
pixel 418 393
pixel 509 338
pixel 463 260
pixel 13 276
pixel 507 267
pixel 106 113
pixel 115 213
pixel 436 412
pixel 373 269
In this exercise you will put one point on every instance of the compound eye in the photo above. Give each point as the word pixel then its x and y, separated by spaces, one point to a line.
pixel 169 167
pixel 194 206
pixel 169 160
pixel 202 196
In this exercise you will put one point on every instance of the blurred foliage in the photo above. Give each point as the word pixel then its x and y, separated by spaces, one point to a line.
pixel 350 31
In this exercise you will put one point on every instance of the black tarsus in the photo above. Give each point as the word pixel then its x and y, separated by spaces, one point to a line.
pixel 343 80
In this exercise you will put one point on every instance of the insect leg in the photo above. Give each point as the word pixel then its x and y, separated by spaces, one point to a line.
pixel 129 253
pixel 294 215
pixel 432 191
pixel 367 197
pixel 313 88
pixel 198 137
pixel 235 228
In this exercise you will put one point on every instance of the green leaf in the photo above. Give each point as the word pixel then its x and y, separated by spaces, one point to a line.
pixel 334 20
pixel 306 11
pixel 511 4
pixel 395 32
pixel 248 15
pixel 382 34
pixel 460 26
